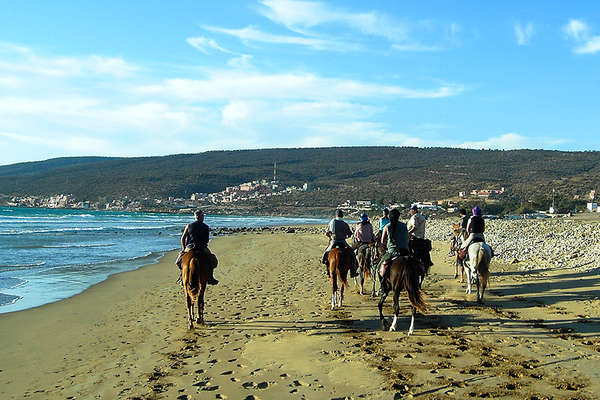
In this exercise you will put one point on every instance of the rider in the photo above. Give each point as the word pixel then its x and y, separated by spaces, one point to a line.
pixel 395 238
pixel 364 231
pixel 464 220
pixel 475 228
pixel 340 232
pixel 384 220
pixel 416 233
pixel 416 223
pixel 195 237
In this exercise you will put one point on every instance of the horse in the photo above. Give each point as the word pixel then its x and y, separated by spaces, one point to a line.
pixel 458 237
pixel 403 274
pixel 364 263
pixel 478 268
pixel 377 251
pixel 195 273
pixel 340 262
pixel 420 248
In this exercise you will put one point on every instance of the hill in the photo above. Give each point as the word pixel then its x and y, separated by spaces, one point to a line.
pixel 388 173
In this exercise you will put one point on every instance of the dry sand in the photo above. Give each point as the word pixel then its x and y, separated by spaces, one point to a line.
pixel 270 335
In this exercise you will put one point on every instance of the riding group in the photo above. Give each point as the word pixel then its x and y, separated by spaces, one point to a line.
pixel 397 255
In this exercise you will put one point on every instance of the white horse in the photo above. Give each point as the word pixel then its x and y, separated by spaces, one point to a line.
pixel 478 268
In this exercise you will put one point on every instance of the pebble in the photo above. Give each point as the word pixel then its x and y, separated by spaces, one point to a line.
pixel 537 243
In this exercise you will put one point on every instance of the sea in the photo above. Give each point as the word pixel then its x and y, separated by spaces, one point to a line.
pixel 51 254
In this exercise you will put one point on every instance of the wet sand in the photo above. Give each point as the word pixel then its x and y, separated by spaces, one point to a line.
pixel 270 335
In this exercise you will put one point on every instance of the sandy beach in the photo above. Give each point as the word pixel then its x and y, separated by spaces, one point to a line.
pixel 270 335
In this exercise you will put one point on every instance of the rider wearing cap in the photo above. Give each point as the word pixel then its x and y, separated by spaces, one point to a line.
pixel 475 228
pixel 364 231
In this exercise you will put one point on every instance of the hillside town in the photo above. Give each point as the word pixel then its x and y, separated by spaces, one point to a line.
pixel 246 191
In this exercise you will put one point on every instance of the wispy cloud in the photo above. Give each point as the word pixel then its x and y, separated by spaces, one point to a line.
pixel 252 34
pixel 305 17
pixel 579 31
pixel 576 29
pixel 301 15
pixel 20 59
pixel 205 44
pixel 222 85
pixel 524 33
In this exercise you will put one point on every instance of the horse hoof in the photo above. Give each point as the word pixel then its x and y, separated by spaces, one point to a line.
pixel 455 276
pixel 199 321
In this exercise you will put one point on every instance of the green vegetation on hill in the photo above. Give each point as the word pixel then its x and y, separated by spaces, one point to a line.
pixel 370 173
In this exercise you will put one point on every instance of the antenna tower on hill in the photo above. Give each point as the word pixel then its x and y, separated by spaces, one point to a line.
pixel 275 171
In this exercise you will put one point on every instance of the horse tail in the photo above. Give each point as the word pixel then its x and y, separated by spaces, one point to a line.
pixel 411 285
pixel 192 281
pixel 342 279
pixel 483 265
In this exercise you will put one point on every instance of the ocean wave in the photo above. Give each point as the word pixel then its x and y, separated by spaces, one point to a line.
pixel 23 266
pixel 73 229
pixel 7 299
pixel 63 246
pixel 12 282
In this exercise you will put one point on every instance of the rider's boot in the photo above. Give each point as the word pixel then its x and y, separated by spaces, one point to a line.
pixel 211 278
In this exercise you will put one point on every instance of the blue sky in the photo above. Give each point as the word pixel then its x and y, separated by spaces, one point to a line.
pixel 152 78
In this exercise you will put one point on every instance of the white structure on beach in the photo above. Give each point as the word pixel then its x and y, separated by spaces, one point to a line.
pixel 591 207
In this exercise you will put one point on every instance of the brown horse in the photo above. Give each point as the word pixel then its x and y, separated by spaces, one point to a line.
pixel 403 275
pixel 458 237
pixel 340 262
pixel 364 264
pixel 377 251
pixel 195 272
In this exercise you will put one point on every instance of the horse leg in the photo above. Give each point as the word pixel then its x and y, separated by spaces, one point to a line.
pixel 384 323
pixel 333 288
pixel 396 309
pixel 456 267
pixel 468 269
pixel 483 283
pixel 200 319
pixel 412 320
pixel 341 297
pixel 188 306
pixel 362 281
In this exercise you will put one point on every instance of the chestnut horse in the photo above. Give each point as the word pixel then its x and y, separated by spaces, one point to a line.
pixel 403 275
pixel 340 261
pixel 195 272
pixel 364 264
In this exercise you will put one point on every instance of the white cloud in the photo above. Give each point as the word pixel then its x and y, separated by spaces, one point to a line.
pixel 23 60
pixel 576 29
pixel 524 33
pixel 579 31
pixel 244 61
pixel 204 44
pixel 591 46
pixel 512 141
pixel 224 85
pixel 251 34
pixel 300 15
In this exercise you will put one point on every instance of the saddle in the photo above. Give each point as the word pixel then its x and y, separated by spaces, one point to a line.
pixel 202 253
